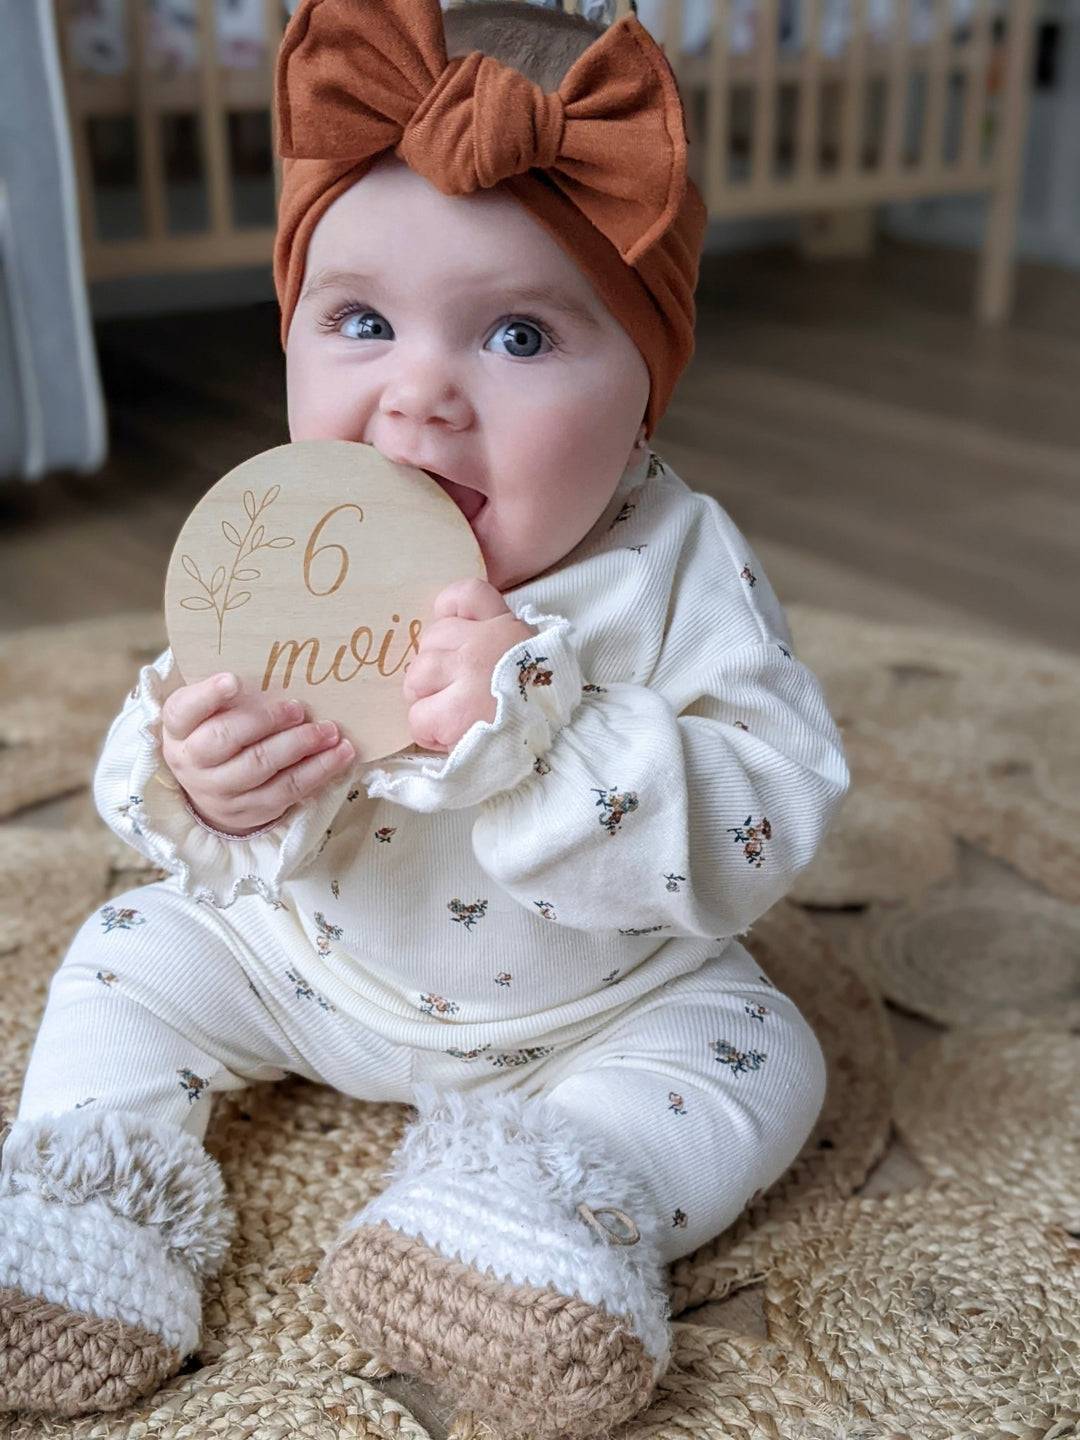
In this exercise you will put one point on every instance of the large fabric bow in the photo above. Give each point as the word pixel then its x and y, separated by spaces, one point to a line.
pixel 356 78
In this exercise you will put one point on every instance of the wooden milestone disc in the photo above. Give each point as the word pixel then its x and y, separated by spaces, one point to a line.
pixel 310 571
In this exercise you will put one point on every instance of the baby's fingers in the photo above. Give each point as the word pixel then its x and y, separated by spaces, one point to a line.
pixel 186 709
pixel 302 780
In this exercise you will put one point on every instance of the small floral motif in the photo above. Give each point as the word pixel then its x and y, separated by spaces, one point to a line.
pixel 755 1011
pixel 678 1220
pixel 353 795
pixel 468 1054
pixel 88 1101
pixel 627 510
pixel 748 575
pixel 513 1059
pixel 107 977
pixel 436 1005
pixel 327 932
pixel 752 838
pixel 304 991
pixel 335 889
pixel 192 1085
pixel 642 930
pixel 741 725
pixel 386 834
pixel 740 1061
pixel 674 882
pixel 637 549
pixel 324 842
pixel 467 915
pixel 656 465
pixel 591 689
pixel 541 766
pixel 503 979
pixel 610 979
pixel 676 1103
pixel 783 650
pixel 615 807
pixel 547 910
pixel 529 673
pixel 124 918
pixel 134 802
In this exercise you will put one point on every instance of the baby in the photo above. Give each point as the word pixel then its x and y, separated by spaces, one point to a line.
pixel 525 927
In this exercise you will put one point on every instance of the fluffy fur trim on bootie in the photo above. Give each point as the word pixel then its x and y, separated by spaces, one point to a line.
pixel 108 1222
pixel 144 1170
pixel 511 1263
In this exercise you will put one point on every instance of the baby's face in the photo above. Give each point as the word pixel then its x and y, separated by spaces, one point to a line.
pixel 453 334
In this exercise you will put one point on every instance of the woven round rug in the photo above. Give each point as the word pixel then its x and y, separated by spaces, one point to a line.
pixel 999 1113
pixel 298 1159
pixel 980 734
pixel 852 1131
pixel 60 686
pixel 938 1312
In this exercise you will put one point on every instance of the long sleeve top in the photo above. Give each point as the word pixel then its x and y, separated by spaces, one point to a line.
pixel 659 768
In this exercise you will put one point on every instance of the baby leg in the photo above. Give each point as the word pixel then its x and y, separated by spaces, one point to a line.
pixel 111 1211
pixel 707 1093
pixel 516 1258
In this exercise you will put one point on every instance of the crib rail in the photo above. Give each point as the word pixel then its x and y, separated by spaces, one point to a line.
pixel 775 129
pixel 887 120
pixel 144 99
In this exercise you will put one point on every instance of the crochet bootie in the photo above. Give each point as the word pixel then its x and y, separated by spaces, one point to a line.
pixel 510 1265
pixel 108 1224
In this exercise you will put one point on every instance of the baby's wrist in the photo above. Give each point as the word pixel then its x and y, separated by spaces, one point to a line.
pixel 205 824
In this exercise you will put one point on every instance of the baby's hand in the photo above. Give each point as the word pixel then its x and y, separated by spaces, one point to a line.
pixel 243 760
pixel 448 685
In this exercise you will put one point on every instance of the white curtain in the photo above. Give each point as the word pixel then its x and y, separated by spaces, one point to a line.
pixel 52 414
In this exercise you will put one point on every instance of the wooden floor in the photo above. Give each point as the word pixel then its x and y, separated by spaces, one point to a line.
pixel 884 455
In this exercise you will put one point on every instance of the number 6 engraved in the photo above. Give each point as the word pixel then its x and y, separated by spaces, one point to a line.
pixel 313 549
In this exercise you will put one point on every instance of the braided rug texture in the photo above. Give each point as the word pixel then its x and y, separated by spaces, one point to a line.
pixel 948 887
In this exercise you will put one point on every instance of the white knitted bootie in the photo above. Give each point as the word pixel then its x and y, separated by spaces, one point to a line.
pixel 510 1264
pixel 108 1224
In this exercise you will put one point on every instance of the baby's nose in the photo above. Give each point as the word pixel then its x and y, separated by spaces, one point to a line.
pixel 423 390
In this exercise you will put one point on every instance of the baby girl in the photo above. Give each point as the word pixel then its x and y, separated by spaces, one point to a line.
pixel 524 926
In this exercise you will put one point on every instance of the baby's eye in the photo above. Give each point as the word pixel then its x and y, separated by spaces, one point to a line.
pixel 364 325
pixel 521 338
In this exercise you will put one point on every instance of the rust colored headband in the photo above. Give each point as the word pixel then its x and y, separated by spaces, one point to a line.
pixel 600 164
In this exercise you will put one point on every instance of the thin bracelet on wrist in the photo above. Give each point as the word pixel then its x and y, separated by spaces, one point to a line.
pixel 224 834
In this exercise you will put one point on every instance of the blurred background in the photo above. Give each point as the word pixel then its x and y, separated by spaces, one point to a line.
pixel 886 390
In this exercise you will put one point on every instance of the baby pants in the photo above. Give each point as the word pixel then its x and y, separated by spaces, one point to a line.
pixel 705 1088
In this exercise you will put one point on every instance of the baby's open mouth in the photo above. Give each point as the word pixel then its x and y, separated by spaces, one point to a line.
pixel 470 502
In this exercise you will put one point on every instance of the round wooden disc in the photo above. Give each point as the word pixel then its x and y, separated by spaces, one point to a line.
pixel 310 571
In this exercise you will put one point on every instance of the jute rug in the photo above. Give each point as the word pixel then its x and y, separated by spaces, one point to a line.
pixel 913 1274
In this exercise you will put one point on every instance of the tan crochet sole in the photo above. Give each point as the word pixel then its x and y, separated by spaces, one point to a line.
pixel 65 1363
pixel 524 1358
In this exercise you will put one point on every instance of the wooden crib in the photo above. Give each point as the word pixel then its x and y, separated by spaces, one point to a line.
pixel 891 118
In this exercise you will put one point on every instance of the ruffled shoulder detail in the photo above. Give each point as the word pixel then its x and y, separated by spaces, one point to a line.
pixel 142 801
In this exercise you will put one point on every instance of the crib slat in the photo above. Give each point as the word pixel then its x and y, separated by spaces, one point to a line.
pixel 151 158
pixel 274 31
pixel 764 137
pixel 854 92
pixel 213 122
pixel 897 94
pixel 717 120
pixel 970 159
pixel 809 118
pixel 933 145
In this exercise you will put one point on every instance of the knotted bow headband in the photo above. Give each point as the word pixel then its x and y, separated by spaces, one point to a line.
pixel 600 164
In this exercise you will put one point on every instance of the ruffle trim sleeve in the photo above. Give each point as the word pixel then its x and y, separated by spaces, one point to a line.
pixel 537 685
pixel 143 802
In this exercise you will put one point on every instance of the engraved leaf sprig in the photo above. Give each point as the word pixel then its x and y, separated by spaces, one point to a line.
pixel 218 593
